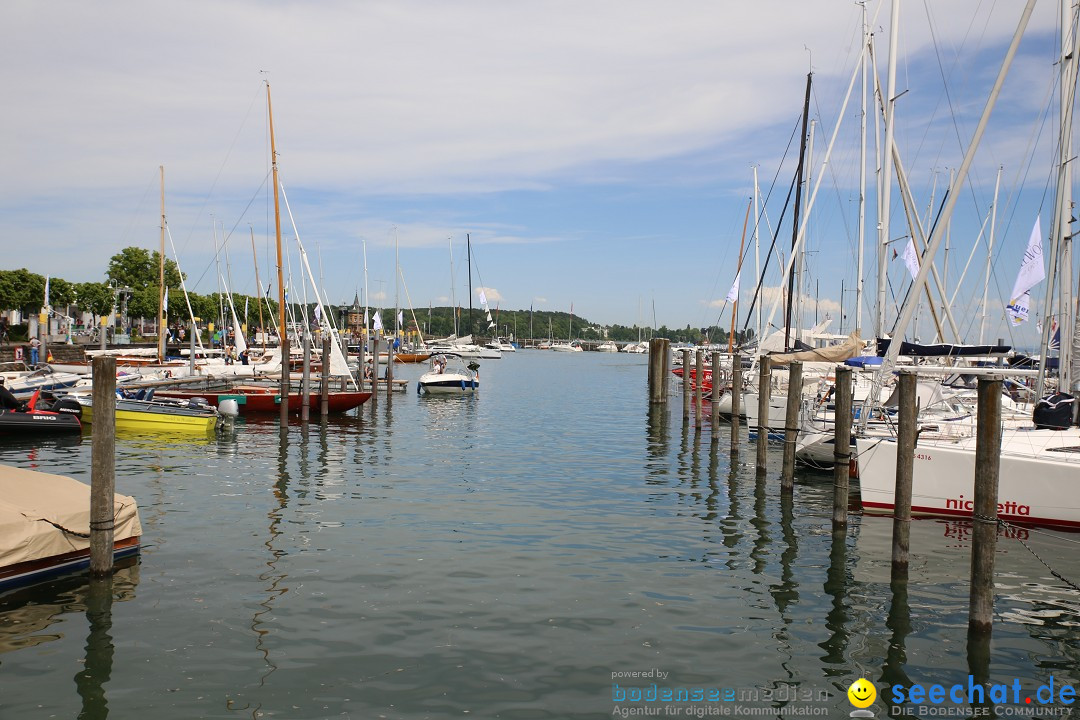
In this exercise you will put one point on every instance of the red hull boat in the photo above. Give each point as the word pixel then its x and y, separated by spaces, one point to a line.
pixel 254 398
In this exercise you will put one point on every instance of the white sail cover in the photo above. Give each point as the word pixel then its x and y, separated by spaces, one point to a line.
pixel 33 504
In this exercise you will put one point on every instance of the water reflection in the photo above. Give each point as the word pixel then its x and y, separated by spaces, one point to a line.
pixel 96 671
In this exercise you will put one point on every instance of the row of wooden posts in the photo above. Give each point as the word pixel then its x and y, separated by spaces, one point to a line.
pixel 988 448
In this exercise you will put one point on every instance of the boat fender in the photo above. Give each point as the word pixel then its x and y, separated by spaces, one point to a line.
pixel 462 386
pixel 228 408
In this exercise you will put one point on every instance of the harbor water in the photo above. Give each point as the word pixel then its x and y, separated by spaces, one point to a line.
pixel 550 548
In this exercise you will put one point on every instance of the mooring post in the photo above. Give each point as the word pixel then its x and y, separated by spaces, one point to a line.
pixel 906 435
pixel 665 368
pixel 389 368
pixel 791 424
pixel 736 402
pixel 191 349
pixel 685 384
pixel 764 391
pixel 984 531
pixel 714 394
pixel 305 382
pixel 656 362
pixel 699 378
pixel 102 465
pixel 841 445
pixel 374 369
pixel 324 385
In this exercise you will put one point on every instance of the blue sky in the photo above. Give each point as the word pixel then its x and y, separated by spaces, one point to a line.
pixel 597 153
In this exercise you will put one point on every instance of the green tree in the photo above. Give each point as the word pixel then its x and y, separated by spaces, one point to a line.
pixel 93 297
pixel 138 268
pixel 22 290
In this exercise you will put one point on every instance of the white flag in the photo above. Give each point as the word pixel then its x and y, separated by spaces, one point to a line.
pixel 377 324
pixel 400 318
pixel 165 303
pixel 911 258
pixel 1032 271
pixel 483 297
pixel 46 292
pixel 318 313
pixel 733 293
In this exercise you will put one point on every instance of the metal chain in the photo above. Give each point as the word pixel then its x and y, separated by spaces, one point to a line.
pixel 1055 573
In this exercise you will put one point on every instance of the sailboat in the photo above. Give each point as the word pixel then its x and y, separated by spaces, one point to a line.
pixel 1038 465
pixel 569 345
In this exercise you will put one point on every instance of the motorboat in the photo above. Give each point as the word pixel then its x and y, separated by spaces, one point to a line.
pixel 146 413
pixel 501 345
pixel 567 347
pixel 448 375
pixel 266 398
pixel 42 416
pixel 608 346
pixel 23 384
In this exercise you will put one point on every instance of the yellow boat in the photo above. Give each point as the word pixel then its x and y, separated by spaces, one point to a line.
pixel 157 416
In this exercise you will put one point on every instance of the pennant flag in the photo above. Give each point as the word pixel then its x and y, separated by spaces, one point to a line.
pixel 268 288
pixel 400 318
pixel 1055 336
pixel 318 314
pixel 377 323
pixel 733 293
pixel 483 297
pixel 1031 273
pixel 165 303
pixel 46 291
pixel 286 293
pixel 911 258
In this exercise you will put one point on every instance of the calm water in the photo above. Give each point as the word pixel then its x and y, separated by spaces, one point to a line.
pixel 503 556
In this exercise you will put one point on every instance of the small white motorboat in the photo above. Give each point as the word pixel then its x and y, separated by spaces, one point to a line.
pixel 448 375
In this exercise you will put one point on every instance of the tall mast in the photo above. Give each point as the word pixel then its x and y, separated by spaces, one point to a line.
pixel 989 255
pixel 468 249
pixel 738 273
pixel 1070 372
pixel 885 178
pixel 795 213
pixel 397 301
pixel 258 288
pixel 453 297
pixel 862 189
pixel 757 250
pixel 162 319
pixel 283 338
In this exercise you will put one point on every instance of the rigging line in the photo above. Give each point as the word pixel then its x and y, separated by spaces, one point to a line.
pixel 764 204
pixel 768 256
pixel 246 207
pixel 221 168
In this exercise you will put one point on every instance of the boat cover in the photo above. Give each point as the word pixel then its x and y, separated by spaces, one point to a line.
pixel 33 504
pixel 942 350
pixel 832 354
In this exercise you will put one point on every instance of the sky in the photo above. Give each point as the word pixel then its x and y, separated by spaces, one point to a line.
pixel 600 156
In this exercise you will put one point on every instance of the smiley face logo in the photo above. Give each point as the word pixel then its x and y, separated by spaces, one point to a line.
pixel 862 693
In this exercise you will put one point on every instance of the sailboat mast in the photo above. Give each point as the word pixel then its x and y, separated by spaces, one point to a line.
pixel 162 319
pixel 453 297
pixel 885 178
pixel 795 213
pixel 862 188
pixel 738 272
pixel 989 255
pixel 258 288
pixel 397 299
pixel 468 249
pixel 283 339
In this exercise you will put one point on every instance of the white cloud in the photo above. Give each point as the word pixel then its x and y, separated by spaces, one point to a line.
pixel 492 294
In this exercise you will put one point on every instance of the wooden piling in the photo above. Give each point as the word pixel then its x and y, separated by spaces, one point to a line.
pixel 736 402
pixel 906 434
pixel 324 384
pixel 665 369
pixel 374 369
pixel 791 425
pixel 685 384
pixel 714 405
pixel 699 377
pixel 305 382
pixel 764 391
pixel 841 445
pixel 389 368
pixel 984 531
pixel 103 465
